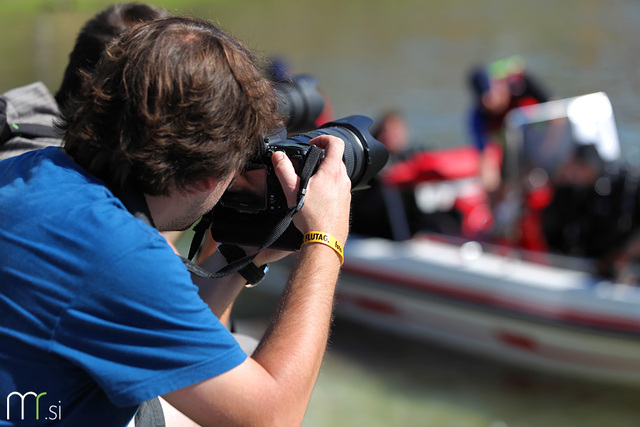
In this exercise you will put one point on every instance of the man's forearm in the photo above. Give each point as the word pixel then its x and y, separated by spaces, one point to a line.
pixel 293 347
pixel 219 294
pixel 283 369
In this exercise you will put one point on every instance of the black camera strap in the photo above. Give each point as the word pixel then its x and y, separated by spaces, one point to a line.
pixel 311 161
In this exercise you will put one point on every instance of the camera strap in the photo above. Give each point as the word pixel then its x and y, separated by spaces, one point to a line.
pixel 311 161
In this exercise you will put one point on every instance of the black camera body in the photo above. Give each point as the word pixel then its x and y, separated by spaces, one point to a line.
pixel 255 203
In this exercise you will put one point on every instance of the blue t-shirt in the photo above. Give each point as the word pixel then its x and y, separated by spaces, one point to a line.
pixel 97 314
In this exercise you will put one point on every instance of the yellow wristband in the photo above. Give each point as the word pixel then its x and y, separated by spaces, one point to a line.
pixel 325 239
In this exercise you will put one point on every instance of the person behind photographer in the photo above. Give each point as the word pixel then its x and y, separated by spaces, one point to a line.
pixel 33 104
pixel 96 308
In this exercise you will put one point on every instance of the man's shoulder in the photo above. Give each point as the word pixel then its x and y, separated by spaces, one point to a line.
pixel 49 186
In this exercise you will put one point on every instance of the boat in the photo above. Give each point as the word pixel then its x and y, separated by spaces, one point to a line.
pixel 525 307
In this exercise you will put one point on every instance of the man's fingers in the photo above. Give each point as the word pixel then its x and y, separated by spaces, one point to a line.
pixel 286 175
pixel 333 146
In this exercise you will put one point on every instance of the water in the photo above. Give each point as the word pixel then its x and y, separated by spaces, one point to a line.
pixel 373 378
pixel 411 55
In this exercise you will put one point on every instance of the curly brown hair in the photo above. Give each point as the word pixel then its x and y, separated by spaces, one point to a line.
pixel 171 102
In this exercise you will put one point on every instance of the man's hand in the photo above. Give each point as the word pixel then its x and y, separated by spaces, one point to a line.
pixel 327 203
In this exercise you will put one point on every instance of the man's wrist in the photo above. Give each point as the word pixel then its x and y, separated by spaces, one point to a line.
pixel 325 239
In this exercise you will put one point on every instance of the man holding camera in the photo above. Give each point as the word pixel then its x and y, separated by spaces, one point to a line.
pixel 97 314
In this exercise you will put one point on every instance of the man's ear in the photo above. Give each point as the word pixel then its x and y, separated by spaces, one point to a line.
pixel 205 184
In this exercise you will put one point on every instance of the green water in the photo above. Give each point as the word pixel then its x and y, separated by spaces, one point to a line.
pixel 412 55
pixel 371 378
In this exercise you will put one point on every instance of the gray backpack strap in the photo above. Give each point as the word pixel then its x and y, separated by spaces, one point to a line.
pixel 28 112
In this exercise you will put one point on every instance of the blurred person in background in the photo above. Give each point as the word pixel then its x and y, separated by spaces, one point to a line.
pixel 595 213
pixel 384 210
pixel 497 89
